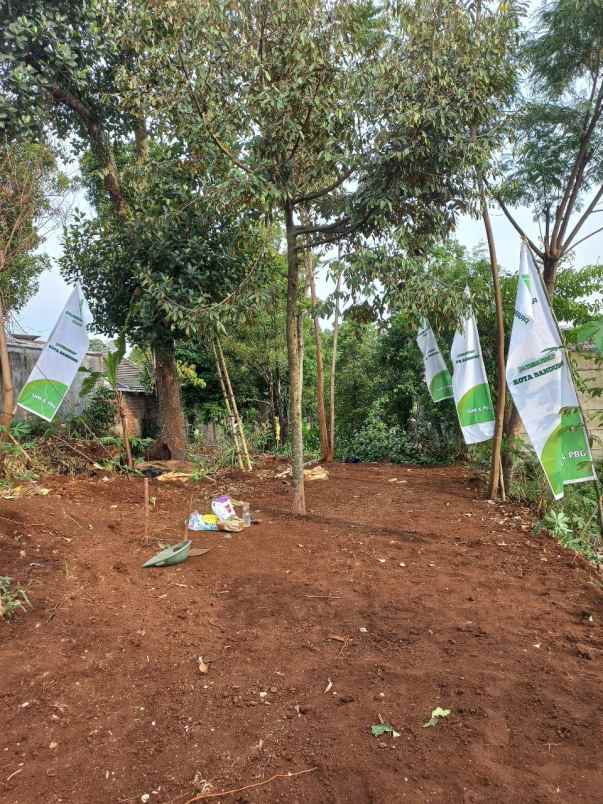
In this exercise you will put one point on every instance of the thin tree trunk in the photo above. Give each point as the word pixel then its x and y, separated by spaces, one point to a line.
pixel 333 370
pixel 293 353
pixel 500 353
pixel 230 414
pixel 8 391
pixel 325 447
pixel 233 405
pixel 124 428
pixel 549 273
pixel 512 425
pixel 173 429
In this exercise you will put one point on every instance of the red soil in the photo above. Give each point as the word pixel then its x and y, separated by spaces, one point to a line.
pixel 435 597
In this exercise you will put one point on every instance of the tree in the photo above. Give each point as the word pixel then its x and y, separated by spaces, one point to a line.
pixel 554 163
pixel 59 65
pixel 30 190
pixel 355 115
pixel 166 269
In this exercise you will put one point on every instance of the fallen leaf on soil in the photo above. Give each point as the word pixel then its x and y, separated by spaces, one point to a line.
pixel 436 715
pixel 384 728
pixel 203 668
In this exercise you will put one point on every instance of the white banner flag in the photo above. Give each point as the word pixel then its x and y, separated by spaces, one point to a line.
pixel 437 376
pixel 55 371
pixel 542 387
pixel 470 383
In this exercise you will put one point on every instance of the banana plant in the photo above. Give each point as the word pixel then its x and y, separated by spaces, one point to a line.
pixel 109 375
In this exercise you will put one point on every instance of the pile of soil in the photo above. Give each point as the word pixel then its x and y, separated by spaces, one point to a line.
pixel 401 591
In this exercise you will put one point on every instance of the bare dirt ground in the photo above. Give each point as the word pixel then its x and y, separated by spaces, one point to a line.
pixel 396 596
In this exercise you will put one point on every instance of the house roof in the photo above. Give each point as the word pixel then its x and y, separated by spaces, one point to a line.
pixel 129 377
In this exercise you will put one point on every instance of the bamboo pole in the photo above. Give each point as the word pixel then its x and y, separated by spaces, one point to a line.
pixel 334 366
pixel 233 403
pixel 495 470
pixel 231 418
pixel 325 446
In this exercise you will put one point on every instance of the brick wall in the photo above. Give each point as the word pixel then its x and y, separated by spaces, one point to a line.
pixel 141 414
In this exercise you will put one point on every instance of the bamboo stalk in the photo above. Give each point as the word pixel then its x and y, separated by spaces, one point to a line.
pixel 233 403
pixel 334 367
pixel 231 419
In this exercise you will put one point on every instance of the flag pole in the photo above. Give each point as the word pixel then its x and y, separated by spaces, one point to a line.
pixel 596 481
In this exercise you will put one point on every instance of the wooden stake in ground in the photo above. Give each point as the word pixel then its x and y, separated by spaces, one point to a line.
pixel 146 510
pixel 320 380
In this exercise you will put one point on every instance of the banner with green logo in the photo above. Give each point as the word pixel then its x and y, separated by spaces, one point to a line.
pixel 55 371
pixel 542 387
pixel 470 383
pixel 437 376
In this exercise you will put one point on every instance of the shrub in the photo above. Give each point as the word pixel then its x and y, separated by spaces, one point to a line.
pixel 381 440
pixel 100 411
pixel 11 599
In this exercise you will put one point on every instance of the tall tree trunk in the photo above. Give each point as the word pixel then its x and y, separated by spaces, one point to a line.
pixel 333 369
pixel 495 466
pixel 325 447
pixel 8 392
pixel 296 432
pixel 173 429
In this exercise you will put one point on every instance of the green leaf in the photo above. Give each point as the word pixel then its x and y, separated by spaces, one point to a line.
pixel 592 331
pixel 384 728
pixel 90 381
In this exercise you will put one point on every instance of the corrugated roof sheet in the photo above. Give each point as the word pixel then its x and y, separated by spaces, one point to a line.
pixel 129 377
